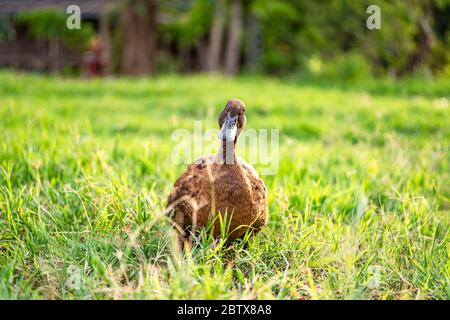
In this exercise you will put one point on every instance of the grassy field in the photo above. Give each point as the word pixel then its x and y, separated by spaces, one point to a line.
pixel 359 207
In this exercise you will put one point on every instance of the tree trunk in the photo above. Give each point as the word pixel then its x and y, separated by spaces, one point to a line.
pixel 139 37
pixel 106 42
pixel 253 49
pixel 215 37
pixel 234 38
pixel 202 54
pixel 186 59
pixel 426 42
pixel 54 56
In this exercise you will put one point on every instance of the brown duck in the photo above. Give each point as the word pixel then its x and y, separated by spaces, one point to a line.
pixel 221 185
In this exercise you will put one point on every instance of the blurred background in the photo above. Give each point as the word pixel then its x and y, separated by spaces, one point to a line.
pixel 307 39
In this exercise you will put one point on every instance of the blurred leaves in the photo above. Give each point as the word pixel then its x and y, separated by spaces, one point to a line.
pixel 51 24
pixel 288 34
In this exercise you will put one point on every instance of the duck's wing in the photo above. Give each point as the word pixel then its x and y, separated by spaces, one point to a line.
pixel 253 176
pixel 191 191
pixel 247 166
pixel 195 167
pixel 259 194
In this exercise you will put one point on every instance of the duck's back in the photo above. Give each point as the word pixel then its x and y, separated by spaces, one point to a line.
pixel 209 187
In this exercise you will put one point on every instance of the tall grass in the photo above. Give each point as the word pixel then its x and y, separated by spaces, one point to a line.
pixel 359 207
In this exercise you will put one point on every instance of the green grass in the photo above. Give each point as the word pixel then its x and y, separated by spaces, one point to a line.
pixel 362 189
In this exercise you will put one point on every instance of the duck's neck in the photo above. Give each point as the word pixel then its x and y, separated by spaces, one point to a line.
pixel 227 152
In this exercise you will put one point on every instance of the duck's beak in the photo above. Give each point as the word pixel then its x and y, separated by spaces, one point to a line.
pixel 229 128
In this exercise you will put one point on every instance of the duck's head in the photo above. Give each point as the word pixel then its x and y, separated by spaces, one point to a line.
pixel 232 120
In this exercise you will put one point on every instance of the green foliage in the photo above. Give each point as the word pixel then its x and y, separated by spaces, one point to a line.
pixel 346 68
pixel 187 20
pixel 50 24
pixel 278 19
pixel 85 170
pixel 4 28
pixel 295 31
